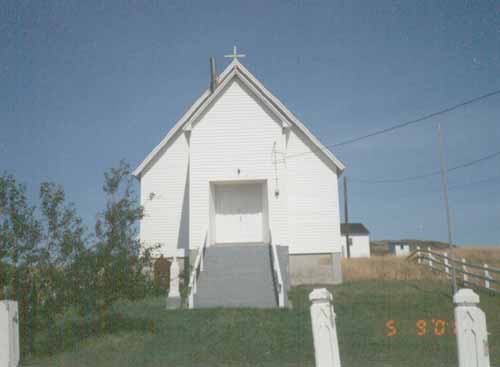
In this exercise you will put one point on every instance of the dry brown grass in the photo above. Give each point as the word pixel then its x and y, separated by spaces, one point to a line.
pixel 390 267
pixel 480 255
pixel 384 268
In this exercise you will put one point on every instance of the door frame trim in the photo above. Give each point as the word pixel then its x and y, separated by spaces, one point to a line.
pixel 211 207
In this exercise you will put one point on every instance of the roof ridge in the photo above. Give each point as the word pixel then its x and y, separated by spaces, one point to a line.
pixel 203 101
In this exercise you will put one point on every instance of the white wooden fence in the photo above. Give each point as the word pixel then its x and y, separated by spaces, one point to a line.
pixel 470 274
pixel 9 334
pixel 472 335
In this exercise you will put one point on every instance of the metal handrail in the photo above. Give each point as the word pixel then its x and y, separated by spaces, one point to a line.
pixel 277 271
pixel 197 267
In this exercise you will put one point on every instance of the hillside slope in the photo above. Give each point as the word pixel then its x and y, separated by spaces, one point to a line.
pixel 381 247
pixel 380 324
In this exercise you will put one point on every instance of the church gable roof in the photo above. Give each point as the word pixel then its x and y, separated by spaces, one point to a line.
pixel 236 70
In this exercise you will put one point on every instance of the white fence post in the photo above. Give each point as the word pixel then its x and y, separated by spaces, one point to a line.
pixel 446 264
pixel 472 335
pixel 464 269
pixel 430 256
pixel 419 260
pixel 326 344
pixel 9 334
pixel 487 276
pixel 174 296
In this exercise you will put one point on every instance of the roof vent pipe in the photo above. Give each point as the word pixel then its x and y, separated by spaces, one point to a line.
pixel 213 75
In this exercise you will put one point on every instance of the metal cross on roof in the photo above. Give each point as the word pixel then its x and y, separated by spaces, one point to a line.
pixel 235 54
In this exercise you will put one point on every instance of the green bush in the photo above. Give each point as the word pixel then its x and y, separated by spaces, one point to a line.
pixel 52 266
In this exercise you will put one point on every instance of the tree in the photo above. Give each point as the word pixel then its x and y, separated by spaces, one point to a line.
pixel 63 241
pixel 120 260
pixel 20 236
pixel 37 254
pixel 20 231
pixel 47 263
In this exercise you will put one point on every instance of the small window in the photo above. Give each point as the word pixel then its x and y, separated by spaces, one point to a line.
pixel 402 247
pixel 350 241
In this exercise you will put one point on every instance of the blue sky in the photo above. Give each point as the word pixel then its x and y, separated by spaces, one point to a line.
pixel 85 83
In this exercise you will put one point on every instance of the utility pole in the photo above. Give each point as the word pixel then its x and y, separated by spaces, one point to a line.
pixel 346 220
pixel 445 193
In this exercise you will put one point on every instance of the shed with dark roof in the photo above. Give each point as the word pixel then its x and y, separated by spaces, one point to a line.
pixel 353 228
pixel 359 239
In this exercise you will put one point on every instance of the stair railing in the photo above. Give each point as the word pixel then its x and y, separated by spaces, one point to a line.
pixel 195 273
pixel 277 273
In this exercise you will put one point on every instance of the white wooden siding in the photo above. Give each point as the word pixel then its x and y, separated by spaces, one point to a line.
pixel 313 199
pixel 398 251
pixel 360 246
pixel 166 219
pixel 236 132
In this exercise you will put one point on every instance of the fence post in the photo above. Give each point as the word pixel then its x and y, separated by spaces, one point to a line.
pixel 419 259
pixel 326 345
pixel 472 334
pixel 430 256
pixel 464 269
pixel 174 296
pixel 446 267
pixel 9 334
pixel 487 276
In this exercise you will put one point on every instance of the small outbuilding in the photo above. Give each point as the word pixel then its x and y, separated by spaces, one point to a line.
pixel 399 248
pixel 359 239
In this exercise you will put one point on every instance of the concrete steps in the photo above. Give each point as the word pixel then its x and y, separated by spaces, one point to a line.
pixel 239 276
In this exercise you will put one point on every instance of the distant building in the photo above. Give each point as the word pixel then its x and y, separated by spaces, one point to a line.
pixel 399 248
pixel 359 239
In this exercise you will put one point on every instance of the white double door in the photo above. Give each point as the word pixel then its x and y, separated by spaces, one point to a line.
pixel 239 213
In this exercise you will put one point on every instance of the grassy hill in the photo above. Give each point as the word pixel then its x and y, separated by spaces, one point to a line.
pixel 144 334
pixel 381 247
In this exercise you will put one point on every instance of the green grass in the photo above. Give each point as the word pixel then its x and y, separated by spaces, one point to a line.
pixel 144 334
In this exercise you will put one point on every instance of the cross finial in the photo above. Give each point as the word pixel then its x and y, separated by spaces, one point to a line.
pixel 235 54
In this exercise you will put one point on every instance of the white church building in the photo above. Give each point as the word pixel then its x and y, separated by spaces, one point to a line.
pixel 239 188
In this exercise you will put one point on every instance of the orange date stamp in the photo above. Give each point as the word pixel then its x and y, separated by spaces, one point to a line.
pixel 436 327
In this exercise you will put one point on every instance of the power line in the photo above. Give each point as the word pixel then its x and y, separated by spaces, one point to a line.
pixel 404 124
pixel 430 174
pixel 451 188
pixel 473 183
